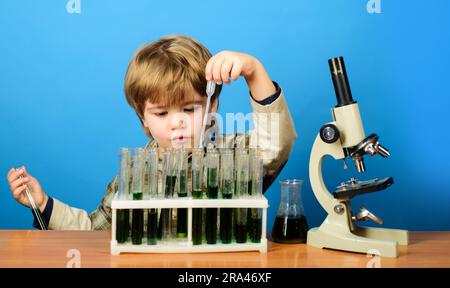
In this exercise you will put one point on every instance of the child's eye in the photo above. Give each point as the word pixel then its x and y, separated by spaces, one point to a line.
pixel 191 109
pixel 160 114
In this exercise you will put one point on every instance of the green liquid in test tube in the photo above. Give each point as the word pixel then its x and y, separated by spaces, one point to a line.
pixel 212 189
pixel 255 191
pixel 226 190
pixel 197 193
pixel 123 225
pixel 123 215
pixel 137 220
pixel 182 162
pixel 241 191
pixel 253 215
pixel 169 182
pixel 152 216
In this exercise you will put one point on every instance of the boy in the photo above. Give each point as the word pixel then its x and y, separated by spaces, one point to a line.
pixel 165 84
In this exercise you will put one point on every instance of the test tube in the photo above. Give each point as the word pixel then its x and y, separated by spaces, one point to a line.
pixel 138 173
pixel 124 174
pixel 226 191
pixel 182 161
pixel 123 215
pixel 137 221
pixel 212 190
pixel 241 191
pixel 197 193
pixel 152 216
pixel 169 181
pixel 255 190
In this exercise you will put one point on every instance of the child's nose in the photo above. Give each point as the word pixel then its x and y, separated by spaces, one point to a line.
pixel 177 123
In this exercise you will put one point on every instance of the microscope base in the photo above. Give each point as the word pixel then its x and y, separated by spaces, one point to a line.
pixel 382 242
pixel 399 236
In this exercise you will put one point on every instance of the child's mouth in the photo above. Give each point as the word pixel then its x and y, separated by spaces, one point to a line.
pixel 180 139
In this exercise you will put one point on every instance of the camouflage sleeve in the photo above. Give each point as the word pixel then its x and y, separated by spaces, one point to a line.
pixel 102 216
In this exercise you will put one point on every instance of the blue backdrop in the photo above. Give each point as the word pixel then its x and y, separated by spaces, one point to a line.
pixel 63 112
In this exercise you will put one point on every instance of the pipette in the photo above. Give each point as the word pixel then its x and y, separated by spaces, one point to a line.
pixel 34 208
pixel 210 89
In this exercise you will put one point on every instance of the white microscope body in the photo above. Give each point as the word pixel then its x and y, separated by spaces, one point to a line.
pixel 342 138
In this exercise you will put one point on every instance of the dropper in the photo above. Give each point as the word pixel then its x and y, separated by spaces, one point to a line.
pixel 34 208
pixel 210 89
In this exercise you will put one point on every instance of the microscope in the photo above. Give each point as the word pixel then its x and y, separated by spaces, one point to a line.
pixel 345 138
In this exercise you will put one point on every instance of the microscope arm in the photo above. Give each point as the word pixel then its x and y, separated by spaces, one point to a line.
pixel 319 151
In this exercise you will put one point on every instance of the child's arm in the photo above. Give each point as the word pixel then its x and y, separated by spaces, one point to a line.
pixel 274 129
pixel 228 64
pixel 274 132
pixel 65 217
pixel 60 216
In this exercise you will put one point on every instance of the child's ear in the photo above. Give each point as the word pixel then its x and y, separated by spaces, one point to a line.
pixel 143 123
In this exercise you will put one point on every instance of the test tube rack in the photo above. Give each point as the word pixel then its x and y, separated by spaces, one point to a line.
pixel 186 245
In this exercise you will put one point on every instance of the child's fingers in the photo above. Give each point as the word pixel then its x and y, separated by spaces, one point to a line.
pixel 217 67
pixel 18 191
pixel 25 172
pixel 236 71
pixel 14 174
pixel 208 68
pixel 18 182
pixel 225 71
pixel 9 173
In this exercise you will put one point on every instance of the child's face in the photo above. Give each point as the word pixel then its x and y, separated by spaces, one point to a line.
pixel 179 125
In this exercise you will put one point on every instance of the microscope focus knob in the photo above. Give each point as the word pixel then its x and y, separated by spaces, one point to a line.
pixel 329 133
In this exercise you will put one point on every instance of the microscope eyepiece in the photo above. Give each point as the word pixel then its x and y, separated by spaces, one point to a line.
pixel 340 82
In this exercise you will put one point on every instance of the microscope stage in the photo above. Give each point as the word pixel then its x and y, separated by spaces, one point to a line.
pixel 355 187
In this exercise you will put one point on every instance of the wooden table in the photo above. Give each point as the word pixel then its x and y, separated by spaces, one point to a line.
pixel 23 248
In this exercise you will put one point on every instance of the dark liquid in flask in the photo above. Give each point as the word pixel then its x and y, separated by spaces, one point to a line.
pixel 289 229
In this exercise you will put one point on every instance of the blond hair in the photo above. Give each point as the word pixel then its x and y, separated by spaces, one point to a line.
pixel 165 72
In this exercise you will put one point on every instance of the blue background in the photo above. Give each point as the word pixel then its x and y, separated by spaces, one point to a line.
pixel 63 112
